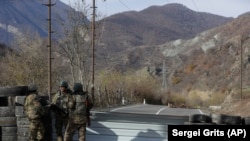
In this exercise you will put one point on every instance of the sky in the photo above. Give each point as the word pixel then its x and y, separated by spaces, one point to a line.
pixel 227 8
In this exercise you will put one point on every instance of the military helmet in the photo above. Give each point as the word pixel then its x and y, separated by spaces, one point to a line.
pixel 32 88
pixel 78 87
pixel 63 83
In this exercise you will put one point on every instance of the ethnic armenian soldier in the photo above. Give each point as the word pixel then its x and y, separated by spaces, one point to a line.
pixel 78 114
pixel 34 112
pixel 61 101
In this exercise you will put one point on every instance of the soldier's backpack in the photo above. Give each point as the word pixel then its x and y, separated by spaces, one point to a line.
pixel 81 104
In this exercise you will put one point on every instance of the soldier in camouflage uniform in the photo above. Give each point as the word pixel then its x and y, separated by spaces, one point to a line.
pixel 34 112
pixel 61 100
pixel 78 114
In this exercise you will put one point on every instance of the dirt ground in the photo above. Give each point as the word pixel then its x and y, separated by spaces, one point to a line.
pixel 239 106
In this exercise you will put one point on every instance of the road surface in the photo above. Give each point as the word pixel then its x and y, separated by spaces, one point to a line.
pixel 142 122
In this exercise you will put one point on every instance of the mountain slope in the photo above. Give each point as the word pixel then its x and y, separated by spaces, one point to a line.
pixel 156 25
pixel 17 16
pixel 210 63
pixel 152 26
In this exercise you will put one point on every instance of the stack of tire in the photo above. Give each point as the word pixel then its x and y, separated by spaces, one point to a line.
pixel 22 121
pixel 246 120
pixel 8 124
pixel 14 125
pixel 214 119
pixel 199 119
pixel 223 119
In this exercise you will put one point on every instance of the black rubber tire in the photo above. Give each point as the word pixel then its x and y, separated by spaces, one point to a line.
pixel 8 131
pixel 246 120
pixel 3 101
pixel 7 121
pixel 19 112
pixel 199 118
pixel 19 100
pixel 223 119
pixel 7 111
pixel 13 91
pixel 20 138
pixel 232 120
pixel 22 122
pixel 22 132
pixel 192 123
pixel 9 138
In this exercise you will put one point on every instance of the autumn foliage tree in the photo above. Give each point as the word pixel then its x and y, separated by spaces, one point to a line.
pixel 131 86
pixel 25 63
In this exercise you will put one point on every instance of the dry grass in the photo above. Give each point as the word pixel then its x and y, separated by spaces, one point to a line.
pixel 237 104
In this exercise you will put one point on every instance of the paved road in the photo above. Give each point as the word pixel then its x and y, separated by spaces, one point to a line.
pixel 156 110
pixel 141 122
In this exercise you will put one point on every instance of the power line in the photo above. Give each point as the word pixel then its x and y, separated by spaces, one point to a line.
pixel 195 5
pixel 124 5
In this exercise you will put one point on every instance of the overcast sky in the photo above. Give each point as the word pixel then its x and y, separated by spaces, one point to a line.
pixel 227 8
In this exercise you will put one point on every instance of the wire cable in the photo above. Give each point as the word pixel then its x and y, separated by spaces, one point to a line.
pixel 124 5
pixel 195 6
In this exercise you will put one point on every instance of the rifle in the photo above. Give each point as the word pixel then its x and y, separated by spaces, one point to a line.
pixel 58 110
pixel 53 107
pixel 89 105
pixel 88 118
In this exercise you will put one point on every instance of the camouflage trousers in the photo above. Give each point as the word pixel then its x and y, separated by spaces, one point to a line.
pixel 70 131
pixel 36 130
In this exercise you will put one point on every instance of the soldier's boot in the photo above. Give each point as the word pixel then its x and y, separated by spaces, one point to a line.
pixel 59 138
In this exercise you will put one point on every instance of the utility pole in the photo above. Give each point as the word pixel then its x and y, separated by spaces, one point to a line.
pixel 242 40
pixel 241 67
pixel 93 51
pixel 164 81
pixel 49 47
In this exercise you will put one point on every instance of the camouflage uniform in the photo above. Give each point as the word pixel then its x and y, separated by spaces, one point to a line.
pixel 34 112
pixel 78 114
pixel 61 100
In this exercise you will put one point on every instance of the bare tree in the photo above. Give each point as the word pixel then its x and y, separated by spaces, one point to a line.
pixel 75 45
